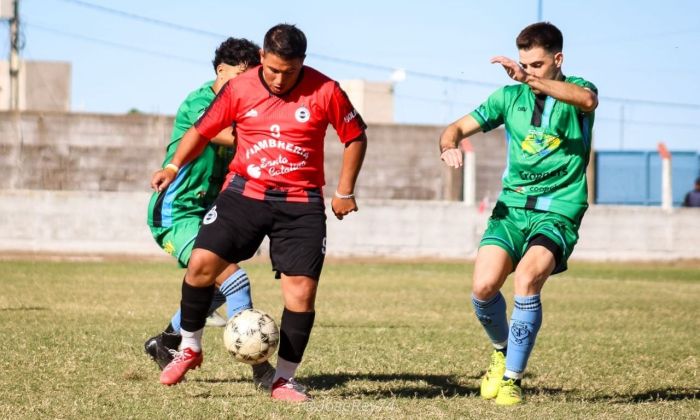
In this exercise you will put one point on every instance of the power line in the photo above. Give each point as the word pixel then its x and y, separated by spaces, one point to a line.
pixel 424 75
pixel 650 102
pixel 647 123
pixel 145 19
pixel 113 44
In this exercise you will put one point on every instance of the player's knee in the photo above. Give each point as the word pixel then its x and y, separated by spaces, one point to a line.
pixel 528 281
pixel 202 270
pixel 300 294
pixel 484 290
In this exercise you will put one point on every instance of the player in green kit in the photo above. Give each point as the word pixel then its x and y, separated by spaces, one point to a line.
pixel 548 118
pixel 176 214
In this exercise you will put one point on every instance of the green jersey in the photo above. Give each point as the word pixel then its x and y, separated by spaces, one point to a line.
pixel 198 183
pixel 548 148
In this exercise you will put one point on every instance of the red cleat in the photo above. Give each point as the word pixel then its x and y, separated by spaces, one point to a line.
pixel 183 361
pixel 289 390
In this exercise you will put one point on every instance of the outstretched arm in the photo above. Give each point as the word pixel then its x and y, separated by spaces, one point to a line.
pixel 584 99
pixel 191 146
pixel 452 135
pixel 343 202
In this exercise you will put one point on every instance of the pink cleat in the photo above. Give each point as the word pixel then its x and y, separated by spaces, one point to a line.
pixel 183 361
pixel 289 390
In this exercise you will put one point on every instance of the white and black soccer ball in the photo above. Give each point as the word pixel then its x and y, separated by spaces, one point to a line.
pixel 251 336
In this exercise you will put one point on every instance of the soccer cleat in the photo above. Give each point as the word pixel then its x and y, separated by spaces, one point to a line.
pixel 263 374
pixel 492 380
pixel 509 393
pixel 289 390
pixel 160 346
pixel 215 320
pixel 183 361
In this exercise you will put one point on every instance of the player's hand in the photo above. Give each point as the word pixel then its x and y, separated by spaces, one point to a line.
pixel 161 179
pixel 452 157
pixel 343 206
pixel 513 69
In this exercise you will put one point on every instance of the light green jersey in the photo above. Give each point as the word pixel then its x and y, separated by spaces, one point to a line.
pixel 548 148
pixel 198 183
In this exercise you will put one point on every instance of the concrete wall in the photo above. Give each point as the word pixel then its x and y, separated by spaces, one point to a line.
pixel 95 152
pixel 373 100
pixel 104 223
pixel 43 85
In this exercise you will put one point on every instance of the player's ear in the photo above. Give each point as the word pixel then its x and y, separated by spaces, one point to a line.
pixel 559 59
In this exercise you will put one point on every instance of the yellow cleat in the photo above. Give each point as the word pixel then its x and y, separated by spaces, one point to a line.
pixel 509 393
pixel 494 376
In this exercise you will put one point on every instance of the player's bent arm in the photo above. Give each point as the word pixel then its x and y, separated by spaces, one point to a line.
pixel 343 201
pixel 452 135
pixel 191 145
pixel 225 138
pixel 582 98
pixel 353 156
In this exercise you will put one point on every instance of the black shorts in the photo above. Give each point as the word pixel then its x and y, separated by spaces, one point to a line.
pixel 235 226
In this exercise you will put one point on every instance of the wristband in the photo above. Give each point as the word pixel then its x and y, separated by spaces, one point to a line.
pixel 173 167
pixel 344 196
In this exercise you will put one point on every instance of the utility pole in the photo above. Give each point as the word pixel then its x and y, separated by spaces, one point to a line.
pixel 539 10
pixel 14 56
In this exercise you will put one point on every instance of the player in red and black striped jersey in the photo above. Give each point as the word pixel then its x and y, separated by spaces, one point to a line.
pixel 281 111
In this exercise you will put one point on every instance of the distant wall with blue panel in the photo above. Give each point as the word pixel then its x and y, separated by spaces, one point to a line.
pixel 634 177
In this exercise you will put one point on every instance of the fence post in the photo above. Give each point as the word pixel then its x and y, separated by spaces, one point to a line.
pixel 469 179
pixel 666 181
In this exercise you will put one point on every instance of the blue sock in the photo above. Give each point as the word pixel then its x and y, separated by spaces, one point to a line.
pixel 218 300
pixel 492 315
pixel 524 324
pixel 236 288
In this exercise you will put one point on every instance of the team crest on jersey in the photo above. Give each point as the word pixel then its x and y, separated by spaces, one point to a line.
pixel 540 145
pixel 302 114
pixel 210 217
pixel 169 247
pixel 254 171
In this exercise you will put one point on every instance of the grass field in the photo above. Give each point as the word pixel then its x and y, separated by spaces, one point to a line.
pixel 392 340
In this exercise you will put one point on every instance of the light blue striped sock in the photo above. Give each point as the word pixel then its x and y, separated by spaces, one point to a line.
pixel 218 300
pixel 236 289
pixel 525 322
pixel 492 315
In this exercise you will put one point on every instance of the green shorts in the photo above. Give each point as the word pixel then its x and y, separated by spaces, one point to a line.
pixel 513 228
pixel 178 239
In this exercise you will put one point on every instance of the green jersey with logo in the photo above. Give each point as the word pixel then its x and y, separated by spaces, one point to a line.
pixel 548 148
pixel 198 183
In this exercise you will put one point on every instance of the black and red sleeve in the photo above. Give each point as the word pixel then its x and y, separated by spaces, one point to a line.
pixel 348 123
pixel 219 115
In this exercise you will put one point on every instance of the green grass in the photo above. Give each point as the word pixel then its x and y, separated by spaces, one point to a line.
pixel 392 340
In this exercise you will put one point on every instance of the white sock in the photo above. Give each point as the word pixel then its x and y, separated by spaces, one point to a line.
pixel 284 369
pixel 513 375
pixel 192 340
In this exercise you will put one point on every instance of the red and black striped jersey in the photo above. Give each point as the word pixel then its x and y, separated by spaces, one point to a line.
pixel 279 154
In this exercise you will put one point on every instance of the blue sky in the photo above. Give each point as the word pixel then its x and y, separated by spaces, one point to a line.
pixel 643 51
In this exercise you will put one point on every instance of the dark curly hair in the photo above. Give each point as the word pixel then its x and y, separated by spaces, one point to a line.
pixel 541 34
pixel 235 51
pixel 286 41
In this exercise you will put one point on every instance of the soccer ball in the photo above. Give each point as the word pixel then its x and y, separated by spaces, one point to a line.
pixel 251 336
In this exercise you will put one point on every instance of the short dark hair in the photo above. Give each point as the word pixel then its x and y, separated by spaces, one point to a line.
pixel 697 181
pixel 541 34
pixel 286 41
pixel 235 51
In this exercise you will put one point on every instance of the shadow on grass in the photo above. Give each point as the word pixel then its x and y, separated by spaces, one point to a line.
pixel 426 386
pixel 25 308
pixel 655 395
pixel 395 385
